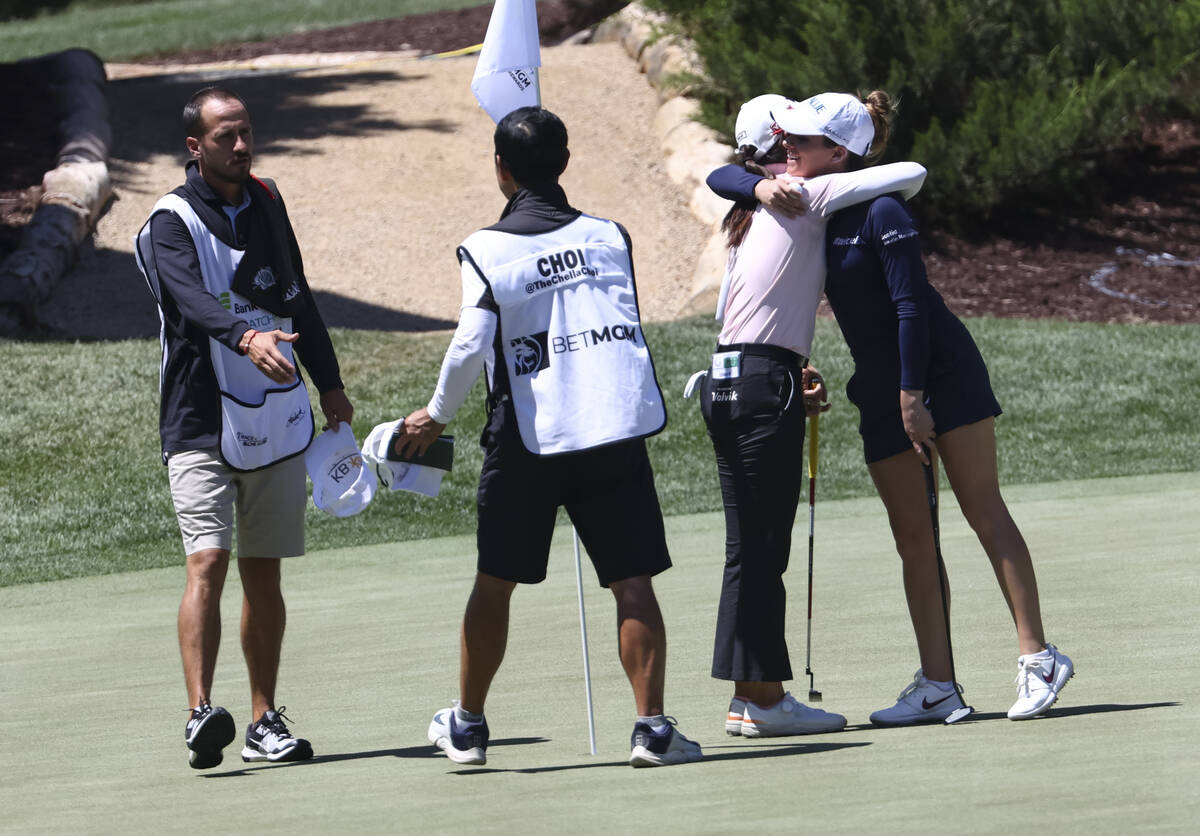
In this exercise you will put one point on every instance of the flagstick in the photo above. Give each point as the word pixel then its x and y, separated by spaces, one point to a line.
pixel 587 668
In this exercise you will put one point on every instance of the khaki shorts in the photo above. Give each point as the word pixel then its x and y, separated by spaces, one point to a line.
pixel 268 505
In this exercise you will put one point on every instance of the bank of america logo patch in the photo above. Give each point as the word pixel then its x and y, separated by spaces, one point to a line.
pixel 530 354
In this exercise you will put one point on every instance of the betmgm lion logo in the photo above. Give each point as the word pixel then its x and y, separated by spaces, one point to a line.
pixel 530 354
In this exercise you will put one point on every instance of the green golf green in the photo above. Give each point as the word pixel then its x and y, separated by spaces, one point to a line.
pixel 94 706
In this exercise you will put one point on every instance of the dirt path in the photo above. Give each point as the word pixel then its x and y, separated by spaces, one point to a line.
pixel 385 166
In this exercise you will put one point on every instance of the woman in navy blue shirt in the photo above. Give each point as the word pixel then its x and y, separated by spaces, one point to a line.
pixel 920 383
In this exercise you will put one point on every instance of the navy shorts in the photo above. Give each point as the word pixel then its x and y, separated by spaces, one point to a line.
pixel 956 397
pixel 608 494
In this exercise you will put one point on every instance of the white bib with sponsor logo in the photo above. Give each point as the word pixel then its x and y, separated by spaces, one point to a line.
pixel 579 371
pixel 262 422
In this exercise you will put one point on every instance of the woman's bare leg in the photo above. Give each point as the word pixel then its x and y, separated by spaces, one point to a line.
pixel 969 454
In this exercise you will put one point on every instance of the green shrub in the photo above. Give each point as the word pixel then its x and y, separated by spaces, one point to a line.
pixel 1007 102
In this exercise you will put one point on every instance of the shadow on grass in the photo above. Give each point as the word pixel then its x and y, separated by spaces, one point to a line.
pixel 423 752
pixel 84 307
pixel 1103 708
pixel 1066 711
pixel 737 752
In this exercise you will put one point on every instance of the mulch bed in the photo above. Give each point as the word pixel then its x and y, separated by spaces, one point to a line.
pixel 1035 264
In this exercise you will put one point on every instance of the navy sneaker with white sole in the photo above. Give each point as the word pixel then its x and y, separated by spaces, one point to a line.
pixel 463 741
pixel 208 731
pixel 268 739
pixel 665 747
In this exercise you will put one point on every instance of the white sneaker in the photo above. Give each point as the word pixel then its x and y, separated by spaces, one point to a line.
pixel 733 720
pixel 787 717
pixel 920 702
pixel 462 741
pixel 1040 676
pixel 664 747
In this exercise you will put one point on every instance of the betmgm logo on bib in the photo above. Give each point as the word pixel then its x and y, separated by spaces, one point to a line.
pixel 530 354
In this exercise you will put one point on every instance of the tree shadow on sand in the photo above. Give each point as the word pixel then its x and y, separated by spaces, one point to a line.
pixel 145 112
pixel 110 301
pixel 105 298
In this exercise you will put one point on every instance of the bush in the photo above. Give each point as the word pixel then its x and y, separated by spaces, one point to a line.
pixel 1009 103
pixel 21 9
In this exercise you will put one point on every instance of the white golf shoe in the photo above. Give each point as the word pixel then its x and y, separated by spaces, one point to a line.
pixel 787 717
pixel 920 702
pixel 733 719
pixel 464 741
pixel 1040 676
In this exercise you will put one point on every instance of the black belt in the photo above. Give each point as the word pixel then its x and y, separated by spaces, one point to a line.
pixel 773 352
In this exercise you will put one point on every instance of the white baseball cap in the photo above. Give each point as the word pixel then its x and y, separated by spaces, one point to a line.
pixel 755 125
pixel 343 484
pixel 399 475
pixel 838 116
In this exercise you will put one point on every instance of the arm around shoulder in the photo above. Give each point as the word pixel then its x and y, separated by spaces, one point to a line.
pixel 733 182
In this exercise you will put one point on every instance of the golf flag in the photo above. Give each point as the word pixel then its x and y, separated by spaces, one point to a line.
pixel 506 76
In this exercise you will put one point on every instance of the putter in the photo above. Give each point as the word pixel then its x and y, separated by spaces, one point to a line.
pixel 813 694
pixel 965 710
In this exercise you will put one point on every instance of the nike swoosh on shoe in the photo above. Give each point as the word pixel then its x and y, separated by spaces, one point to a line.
pixel 926 704
pixel 1049 677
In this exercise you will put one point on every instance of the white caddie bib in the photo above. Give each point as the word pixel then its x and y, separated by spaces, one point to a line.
pixel 579 371
pixel 261 421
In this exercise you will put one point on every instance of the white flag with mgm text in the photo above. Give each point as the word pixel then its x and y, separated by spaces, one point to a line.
pixel 506 76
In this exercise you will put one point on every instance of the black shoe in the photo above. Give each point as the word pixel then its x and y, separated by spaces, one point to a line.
pixel 208 732
pixel 268 739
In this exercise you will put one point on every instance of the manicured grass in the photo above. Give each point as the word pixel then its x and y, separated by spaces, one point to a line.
pixel 84 492
pixel 121 31
pixel 93 698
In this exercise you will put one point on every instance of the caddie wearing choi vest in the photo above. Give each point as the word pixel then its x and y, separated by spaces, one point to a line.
pixel 550 309
pixel 220 257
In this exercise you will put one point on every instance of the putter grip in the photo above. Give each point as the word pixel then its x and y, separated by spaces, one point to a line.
pixel 812 446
